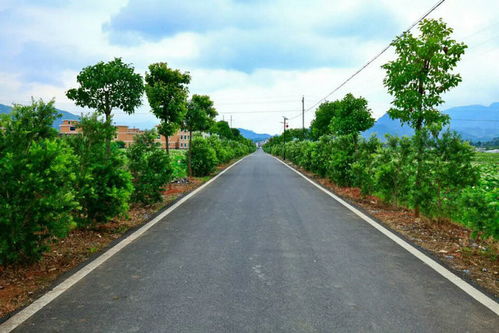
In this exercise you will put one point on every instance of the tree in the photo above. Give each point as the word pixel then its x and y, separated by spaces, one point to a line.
pixel 106 86
pixel 150 167
pixel 199 117
pixel 167 92
pixel 103 182
pixel 351 117
pixel 36 192
pixel 223 129
pixel 236 134
pixel 417 79
pixel 323 116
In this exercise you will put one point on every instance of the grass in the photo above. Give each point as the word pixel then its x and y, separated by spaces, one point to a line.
pixel 486 158
pixel 178 160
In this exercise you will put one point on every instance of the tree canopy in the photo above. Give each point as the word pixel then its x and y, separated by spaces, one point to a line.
pixel 200 114
pixel 421 73
pixel 351 117
pixel 323 116
pixel 108 85
pixel 222 128
pixel 167 92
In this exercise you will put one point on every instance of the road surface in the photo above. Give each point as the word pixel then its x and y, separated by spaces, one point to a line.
pixel 262 250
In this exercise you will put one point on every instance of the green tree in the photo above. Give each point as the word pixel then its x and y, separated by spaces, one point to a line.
pixel 167 92
pixel 106 86
pixel 199 117
pixel 417 79
pixel 103 183
pixel 351 117
pixel 323 116
pixel 236 134
pixel 150 167
pixel 36 191
pixel 223 129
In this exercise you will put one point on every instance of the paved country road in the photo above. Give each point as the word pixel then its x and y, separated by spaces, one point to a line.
pixel 263 250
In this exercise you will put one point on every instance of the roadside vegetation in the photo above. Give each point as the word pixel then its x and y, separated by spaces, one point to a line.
pixel 434 173
pixel 54 184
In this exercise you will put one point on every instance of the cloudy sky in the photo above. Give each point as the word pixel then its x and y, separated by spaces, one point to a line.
pixel 255 58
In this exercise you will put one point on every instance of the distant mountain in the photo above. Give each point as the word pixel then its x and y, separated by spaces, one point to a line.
pixel 65 115
pixel 5 109
pixel 255 137
pixel 473 122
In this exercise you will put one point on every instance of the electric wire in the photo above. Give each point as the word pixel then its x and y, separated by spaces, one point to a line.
pixel 372 59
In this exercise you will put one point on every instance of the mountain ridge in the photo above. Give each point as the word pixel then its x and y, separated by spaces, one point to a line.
pixel 473 122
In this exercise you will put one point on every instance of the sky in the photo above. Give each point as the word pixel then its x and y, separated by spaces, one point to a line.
pixel 254 58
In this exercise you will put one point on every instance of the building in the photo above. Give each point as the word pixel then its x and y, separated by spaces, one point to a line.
pixel 179 140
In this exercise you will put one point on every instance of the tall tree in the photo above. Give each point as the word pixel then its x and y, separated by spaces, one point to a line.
pixel 323 116
pixel 223 129
pixel 418 77
pixel 167 92
pixel 351 117
pixel 106 86
pixel 199 117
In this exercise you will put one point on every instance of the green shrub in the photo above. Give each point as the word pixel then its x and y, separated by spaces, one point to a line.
pixel 223 151
pixel 448 169
pixel 103 183
pixel 204 157
pixel 36 191
pixel 394 170
pixel 150 168
pixel 363 168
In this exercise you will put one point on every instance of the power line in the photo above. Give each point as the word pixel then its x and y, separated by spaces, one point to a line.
pixel 373 59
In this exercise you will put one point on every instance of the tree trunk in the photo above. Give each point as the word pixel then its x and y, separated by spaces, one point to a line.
pixel 167 145
pixel 189 154
pixel 419 161
pixel 108 139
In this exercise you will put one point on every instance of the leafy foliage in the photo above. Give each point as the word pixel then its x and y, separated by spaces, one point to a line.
pixel 199 117
pixel 167 91
pixel 351 117
pixel 105 86
pixel 150 168
pixel 103 183
pixel 204 157
pixel 222 129
pixel 323 116
pixel 36 194
pixel 417 79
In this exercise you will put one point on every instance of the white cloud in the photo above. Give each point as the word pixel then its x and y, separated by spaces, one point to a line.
pixel 73 33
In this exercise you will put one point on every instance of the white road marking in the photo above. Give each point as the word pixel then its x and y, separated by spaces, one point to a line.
pixel 37 305
pixel 465 286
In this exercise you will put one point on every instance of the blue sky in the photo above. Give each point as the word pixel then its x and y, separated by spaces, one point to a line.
pixel 249 55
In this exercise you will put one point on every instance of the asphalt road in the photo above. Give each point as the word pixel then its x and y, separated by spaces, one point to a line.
pixel 262 250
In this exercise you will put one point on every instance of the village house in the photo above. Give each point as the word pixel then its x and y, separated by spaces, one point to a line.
pixel 179 140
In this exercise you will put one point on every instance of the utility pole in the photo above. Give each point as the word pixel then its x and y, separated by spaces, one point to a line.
pixel 230 121
pixel 285 125
pixel 303 115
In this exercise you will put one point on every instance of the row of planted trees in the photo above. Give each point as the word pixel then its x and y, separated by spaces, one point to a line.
pixel 431 172
pixel 52 184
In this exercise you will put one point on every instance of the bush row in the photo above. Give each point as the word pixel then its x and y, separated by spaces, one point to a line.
pixel 452 187
pixel 51 184
pixel 208 153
